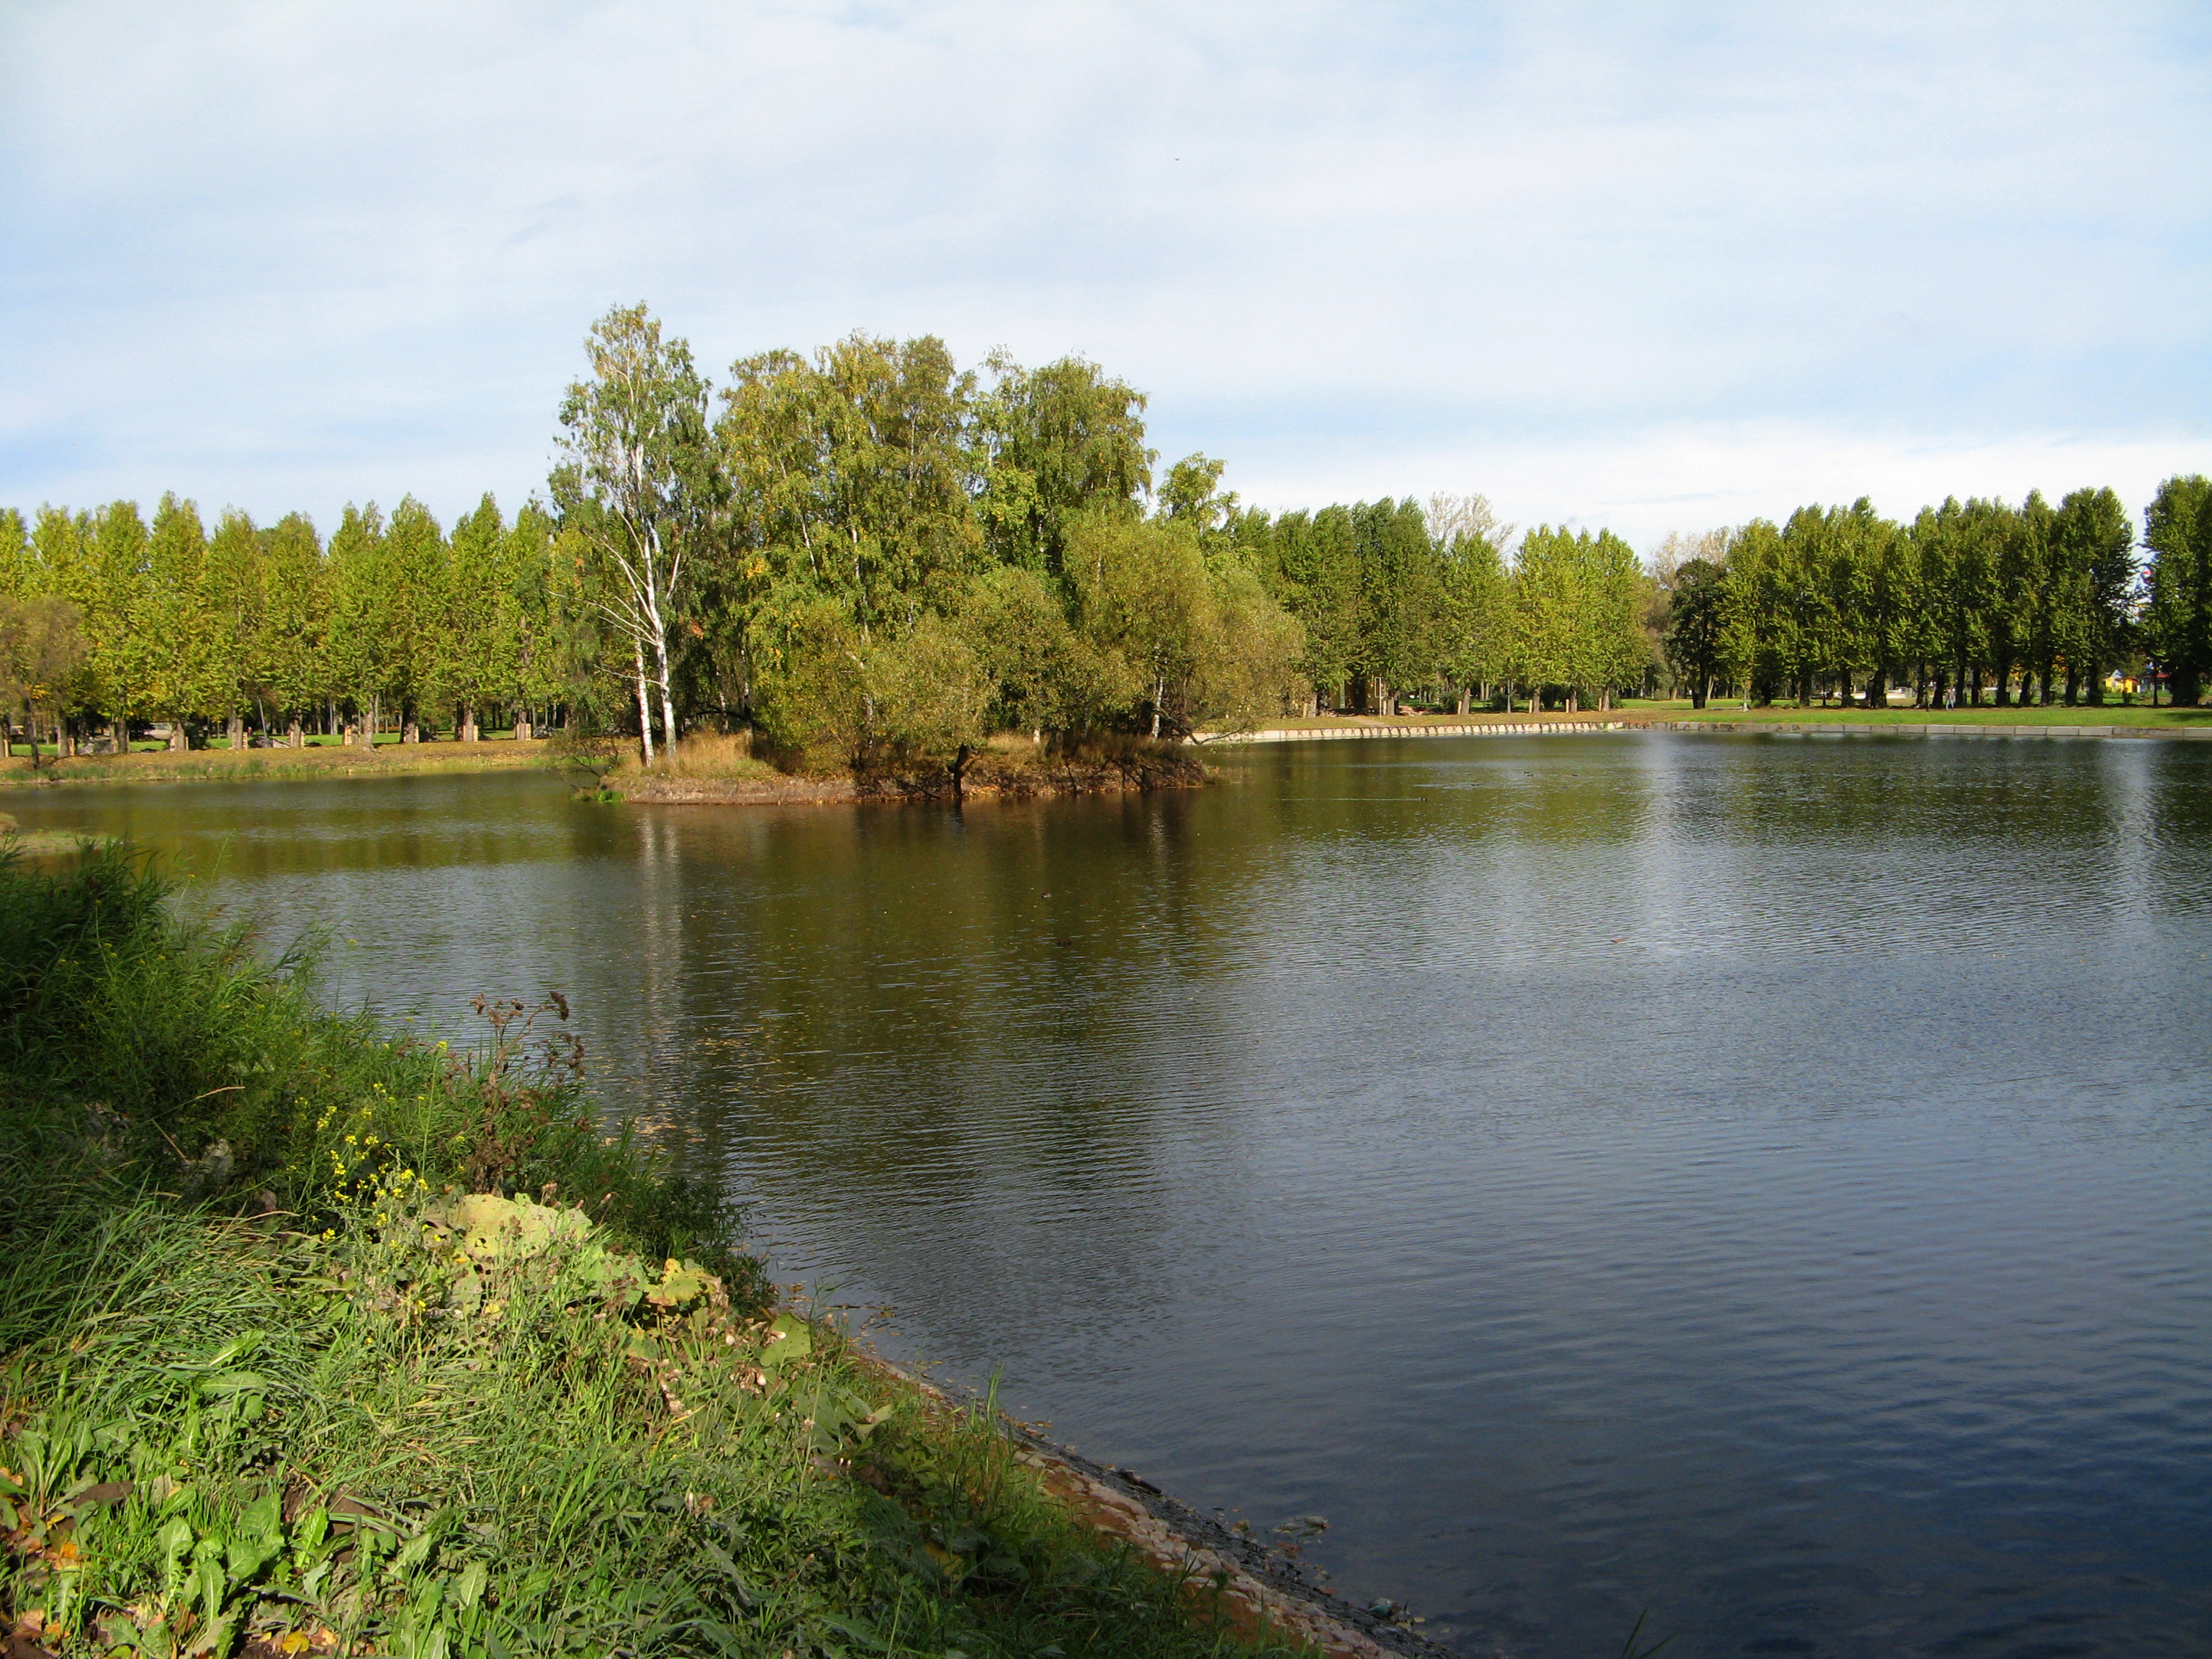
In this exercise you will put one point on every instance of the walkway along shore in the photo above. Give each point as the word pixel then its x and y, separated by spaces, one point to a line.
pixel 1533 728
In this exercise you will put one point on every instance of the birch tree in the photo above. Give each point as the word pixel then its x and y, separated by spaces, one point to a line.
pixel 634 482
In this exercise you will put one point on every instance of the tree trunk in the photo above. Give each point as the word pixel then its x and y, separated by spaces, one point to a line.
pixel 522 728
pixel 468 725
pixel 2073 685
pixel 233 731
pixel 179 738
pixel 295 736
pixel 410 732
pixel 644 700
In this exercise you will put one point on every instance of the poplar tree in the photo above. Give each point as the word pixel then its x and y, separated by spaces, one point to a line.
pixel 475 637
pixel 118 625
pixel 364 648
pixel 530 617
pixel 171 619
pixel 290 665
pixel 1401 599
pixel 415 561
pixel 1753 641
pixel 2177 610
pixel 1309 563
pixel 2092 557
pixel 231 607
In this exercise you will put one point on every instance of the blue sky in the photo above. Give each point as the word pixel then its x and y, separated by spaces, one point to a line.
pixel 1659 267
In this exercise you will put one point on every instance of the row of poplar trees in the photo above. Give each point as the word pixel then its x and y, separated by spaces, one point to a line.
pixel 871 552
pixel 1972 602
pixel 127 621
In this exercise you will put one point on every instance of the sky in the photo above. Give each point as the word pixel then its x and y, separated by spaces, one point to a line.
pixel 1654 267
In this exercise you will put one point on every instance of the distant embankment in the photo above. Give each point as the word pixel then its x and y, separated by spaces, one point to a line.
pixel 1568 726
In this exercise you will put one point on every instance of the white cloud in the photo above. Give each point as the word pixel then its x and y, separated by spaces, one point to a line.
pixel 281 255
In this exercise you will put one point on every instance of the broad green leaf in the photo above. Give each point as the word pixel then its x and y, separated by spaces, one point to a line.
pixel 788 1339
pixel 470 1587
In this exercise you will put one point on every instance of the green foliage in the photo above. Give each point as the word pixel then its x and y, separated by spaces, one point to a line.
pixel 1576 613
pixel 1695 642
pixel 1054 444
pixel 1971 599
pixel 2178 616
pixel 873 555
pixel 42 658
pixel 635 484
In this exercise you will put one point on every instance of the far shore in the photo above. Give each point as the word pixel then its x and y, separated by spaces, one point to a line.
pixel 317 761
pixel 760 785
pixel 1637 713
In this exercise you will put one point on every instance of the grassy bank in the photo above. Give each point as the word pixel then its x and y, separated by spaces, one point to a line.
pixel 312 1341
pixel 236 765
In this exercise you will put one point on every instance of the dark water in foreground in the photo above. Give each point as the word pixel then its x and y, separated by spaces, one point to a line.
pixel 1767 1182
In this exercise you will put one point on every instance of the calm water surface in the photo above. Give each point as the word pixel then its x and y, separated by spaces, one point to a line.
pixel 1765 1183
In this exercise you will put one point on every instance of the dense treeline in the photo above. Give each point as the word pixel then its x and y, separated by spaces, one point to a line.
pixel 1969 601
pixel 871 552
pixel 118 620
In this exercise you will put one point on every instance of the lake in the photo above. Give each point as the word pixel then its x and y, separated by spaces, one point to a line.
pixel 1765 1183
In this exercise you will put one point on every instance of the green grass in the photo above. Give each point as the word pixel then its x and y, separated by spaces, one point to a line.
pixel 292 1361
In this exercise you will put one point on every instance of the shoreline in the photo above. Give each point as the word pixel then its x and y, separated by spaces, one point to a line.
pixel 313 764
pixel 1598 725
pixel 987 777
pixel 1260 1587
